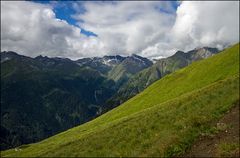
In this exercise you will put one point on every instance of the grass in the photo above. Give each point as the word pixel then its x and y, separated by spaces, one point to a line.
pixel 228 149
pixel 163 120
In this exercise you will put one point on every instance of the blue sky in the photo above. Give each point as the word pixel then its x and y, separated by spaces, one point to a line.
pixel 64 11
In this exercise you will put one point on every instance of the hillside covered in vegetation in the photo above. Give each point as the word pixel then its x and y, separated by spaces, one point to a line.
pixel 163 120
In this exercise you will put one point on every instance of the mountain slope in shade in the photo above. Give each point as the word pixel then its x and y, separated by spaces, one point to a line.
pixel 163 120
pixel 69 93
pixel 162 67
pixel 42 96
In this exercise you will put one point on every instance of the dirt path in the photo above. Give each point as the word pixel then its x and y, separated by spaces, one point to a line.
pixel 225 143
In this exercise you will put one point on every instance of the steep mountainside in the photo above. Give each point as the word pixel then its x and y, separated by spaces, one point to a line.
pixel 42 96
pixel 128 67
pixel 163 120
pixel 162 67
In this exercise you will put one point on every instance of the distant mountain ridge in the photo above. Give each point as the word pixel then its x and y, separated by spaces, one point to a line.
pixel 102 64
pixel 117 67
pixel 159 69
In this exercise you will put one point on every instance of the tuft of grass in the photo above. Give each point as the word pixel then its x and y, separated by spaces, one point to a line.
pixel 228 149
pixel 163 120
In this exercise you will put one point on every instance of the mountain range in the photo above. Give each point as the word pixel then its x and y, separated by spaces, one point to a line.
pixel 159 69
pixel 43 96
pixel 162 120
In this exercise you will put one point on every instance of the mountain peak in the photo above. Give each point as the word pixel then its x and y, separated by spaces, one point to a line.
pixel 206 49
pixel 7 55
pixel 204 52
pixel 139 58
pixel 42 57
pixel 179 53
pixel 135 55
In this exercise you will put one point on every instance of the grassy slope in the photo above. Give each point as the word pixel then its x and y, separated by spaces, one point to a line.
pixel 157 121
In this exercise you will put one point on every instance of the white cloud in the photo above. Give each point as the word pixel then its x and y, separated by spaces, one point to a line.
pixel 204 23
pixel 128 27
pixel 138 27
pixel 32 29
pixel 150 29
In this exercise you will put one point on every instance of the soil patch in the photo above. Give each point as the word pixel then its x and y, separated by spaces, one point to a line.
pixel 224 143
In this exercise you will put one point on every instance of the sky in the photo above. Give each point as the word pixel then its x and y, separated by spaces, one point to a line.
pixel 153 29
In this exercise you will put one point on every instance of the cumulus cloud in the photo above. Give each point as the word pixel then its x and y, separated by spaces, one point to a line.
pixel 210 23
pixel 150 29
pixel 32 29
pixel 128 27
pixel 199 24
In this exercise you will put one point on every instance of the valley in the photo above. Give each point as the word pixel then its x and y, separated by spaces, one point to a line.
pixel 70 93
pixel 164 119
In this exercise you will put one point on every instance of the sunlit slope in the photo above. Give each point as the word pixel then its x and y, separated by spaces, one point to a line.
pixel 162 120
